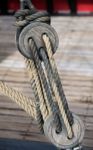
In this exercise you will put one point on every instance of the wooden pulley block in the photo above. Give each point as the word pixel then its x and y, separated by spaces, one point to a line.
pixel 61 139
pixel 34 31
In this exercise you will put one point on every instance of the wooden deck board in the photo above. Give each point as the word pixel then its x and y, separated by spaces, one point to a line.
pixel 74 60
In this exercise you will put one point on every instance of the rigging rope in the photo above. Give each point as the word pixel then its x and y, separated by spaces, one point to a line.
pixel 49 99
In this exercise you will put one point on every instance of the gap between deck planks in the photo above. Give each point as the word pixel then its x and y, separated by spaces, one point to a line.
pixel 75 66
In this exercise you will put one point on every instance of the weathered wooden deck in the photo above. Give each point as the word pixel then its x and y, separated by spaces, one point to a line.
pixel 74 59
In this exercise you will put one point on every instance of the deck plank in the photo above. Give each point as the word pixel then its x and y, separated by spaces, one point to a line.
pixel 74 60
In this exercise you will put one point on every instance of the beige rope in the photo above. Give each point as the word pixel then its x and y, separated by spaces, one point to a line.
pixel 33 74
pixel 57 96
pixel 30 106
pixel 25 103
pixel 45 96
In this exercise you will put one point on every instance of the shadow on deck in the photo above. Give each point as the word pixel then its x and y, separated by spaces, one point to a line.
pixel 6 144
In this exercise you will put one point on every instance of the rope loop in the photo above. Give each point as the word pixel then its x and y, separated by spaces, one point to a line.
pixel 26 16
pixel 33 28
pixel 38 41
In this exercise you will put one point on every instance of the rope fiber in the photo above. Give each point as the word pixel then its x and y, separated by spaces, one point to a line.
pixel 43 76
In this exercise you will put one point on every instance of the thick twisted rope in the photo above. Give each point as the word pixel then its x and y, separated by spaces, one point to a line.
pixel 54 79
pixel 33 80
pixel 24 17
pixel 33 74
pixel 52 64
pixel 41 108
pixel 45 83
pixel 44 79
pixel 57 96
pixel 50 99
pixel 52 85
pixel 25 103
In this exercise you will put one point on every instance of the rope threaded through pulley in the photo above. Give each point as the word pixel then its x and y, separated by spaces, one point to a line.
pixel 51 85
pixel 38 41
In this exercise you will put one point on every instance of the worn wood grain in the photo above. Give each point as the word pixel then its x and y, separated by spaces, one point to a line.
pixel 74 60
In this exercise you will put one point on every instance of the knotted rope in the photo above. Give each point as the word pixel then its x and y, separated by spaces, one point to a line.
pixel 45 81
pixel 23 18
